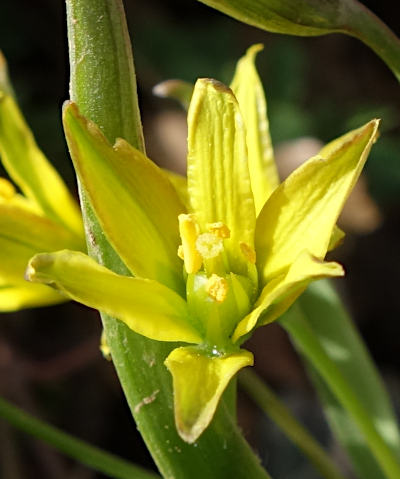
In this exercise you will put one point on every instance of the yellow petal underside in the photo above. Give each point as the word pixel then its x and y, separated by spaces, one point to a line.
pixel 303 210
pixel 248 89
pixel 218 175
pixel 199 381
pixel 280 293
pixel 27 295
pixel 147 307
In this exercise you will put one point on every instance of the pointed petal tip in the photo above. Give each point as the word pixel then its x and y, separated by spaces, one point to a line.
pixel 199 382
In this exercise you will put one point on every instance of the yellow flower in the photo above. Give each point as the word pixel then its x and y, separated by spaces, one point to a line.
pixel 231 259
pixel 43 218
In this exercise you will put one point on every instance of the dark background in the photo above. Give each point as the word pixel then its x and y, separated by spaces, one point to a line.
pixel 318 87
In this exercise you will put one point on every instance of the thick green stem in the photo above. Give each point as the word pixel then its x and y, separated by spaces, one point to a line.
pixel 265 398
pixel 92 456
pixel 103 85
pixel 308 344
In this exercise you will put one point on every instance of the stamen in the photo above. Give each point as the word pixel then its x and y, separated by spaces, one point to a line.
pixel 217 288
pixel 189 231
pixel 248 252
pixel 7 190
pixel 209 246
pixel 219 229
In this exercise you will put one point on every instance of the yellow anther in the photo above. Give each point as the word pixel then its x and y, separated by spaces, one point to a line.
pixel 7 190
pixel 189 231
pixel 209 246
pixel 248 252
pixel 219 229
pixel 217 288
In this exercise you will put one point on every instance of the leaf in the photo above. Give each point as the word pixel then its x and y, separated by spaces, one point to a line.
pixel 342 343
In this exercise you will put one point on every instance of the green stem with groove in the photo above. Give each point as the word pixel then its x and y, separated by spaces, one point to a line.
pixel 77 449
pixel 103 85
pixel 265 398
pixel 307 343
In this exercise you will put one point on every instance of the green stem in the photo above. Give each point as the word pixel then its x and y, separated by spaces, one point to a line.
pixel 91 456
pixel 307 343
pixel 265 398
pixel 101 64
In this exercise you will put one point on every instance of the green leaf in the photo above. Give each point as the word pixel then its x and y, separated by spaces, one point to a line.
pixel 317 17
pixel 133 199
pixel 147 307
pixel 248 89
pixel 324 357
pixel 342 343
pixel 302 212
pixel 199 381
pixel 218 175
pixel 77 449
pixel 31 171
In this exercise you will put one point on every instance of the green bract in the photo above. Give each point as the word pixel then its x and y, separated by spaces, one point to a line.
pixel 233 257
pixel 44 217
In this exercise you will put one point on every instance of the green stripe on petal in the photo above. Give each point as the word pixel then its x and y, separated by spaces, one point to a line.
pixel 147 307
pixel 281 292
pixel 303 210
pixel 133 199
pixel 26 295
pixel 218 175
pixel 29 168
pixel 199 381
pixel 248 89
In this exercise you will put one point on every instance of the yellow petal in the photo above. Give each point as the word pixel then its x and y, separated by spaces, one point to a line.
pixel 280 293
pixel 336 238
pixel 302 211
pixel 133 199
pixel 26 295
pixel 248 89
pixel 179 182
pixel 147 307
pixel 218 175
pixel 199 381
pixel 31 171
pixel 24 234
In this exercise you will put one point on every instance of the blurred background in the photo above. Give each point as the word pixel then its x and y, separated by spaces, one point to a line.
pixel 317 88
